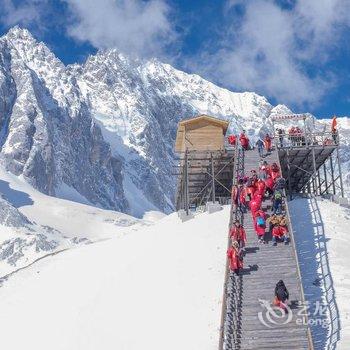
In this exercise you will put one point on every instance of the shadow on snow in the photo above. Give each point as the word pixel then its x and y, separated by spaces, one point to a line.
pixel 311 242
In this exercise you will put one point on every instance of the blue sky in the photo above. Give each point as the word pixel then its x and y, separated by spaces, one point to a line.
pixel 295 52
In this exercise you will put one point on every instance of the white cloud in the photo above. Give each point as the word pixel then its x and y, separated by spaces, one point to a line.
pixel 27 12
pixel 133 26
pixel 272 48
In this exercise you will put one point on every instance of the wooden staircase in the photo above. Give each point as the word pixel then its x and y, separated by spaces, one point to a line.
pixel 264 266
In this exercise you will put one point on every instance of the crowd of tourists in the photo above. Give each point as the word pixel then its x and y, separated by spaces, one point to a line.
pixel 251 194
pixel 263 144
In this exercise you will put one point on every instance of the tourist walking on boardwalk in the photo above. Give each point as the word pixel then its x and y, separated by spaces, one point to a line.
pixel 268 143
pixel 280 136
pixel 237 233
pixel 235 257
pixel 244 140
pixel 277 202
pixel 232 140
pixel 261 187
pixel 259 219
pixel 281 295
pixel 238 196
pixel 264 170
pixel 260 145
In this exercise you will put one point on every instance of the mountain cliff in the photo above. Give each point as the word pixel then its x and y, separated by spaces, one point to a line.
pixel 103 132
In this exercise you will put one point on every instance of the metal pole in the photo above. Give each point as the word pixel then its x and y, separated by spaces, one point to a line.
pixel 212 178
pixel 315 171
pixel 340 174
pixel 319 182
pixel 289 179
pixel 332 174
pixel 325 176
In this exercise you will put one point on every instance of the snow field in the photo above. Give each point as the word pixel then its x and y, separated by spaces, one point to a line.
pixel 155 288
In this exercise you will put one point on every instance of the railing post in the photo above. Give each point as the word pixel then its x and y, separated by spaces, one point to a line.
pixel 187 195
pixel 212 177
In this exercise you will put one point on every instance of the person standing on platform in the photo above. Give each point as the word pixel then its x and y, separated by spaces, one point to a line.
pixel 280 137
pixel 334 129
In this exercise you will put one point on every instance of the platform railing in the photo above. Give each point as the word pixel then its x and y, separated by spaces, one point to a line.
pixel 301 140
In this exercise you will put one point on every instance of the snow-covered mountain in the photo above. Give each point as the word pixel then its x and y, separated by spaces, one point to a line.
pixel 103 132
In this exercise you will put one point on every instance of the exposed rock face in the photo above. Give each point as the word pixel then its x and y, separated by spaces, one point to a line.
pixel 47 132
pixel 105 129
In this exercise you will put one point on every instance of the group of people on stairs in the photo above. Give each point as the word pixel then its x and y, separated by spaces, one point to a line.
pixel 262 145
pixel 249 194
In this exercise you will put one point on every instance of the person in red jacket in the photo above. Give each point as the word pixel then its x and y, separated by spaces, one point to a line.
pixel 255 205
pixel 280 232
pixel 250 192
pixel 268 143
pixel 260 225
pixel 235 257
pixel 237 233
pixel 232 140
pixel 244 140
pixel 260 187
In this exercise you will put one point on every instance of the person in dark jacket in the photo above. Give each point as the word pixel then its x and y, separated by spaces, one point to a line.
pixel 260 145
pixel 277 202
pixel 280 136
pixel 281 295
pixel 280 184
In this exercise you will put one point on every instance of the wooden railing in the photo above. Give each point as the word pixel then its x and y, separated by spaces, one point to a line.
pixel 228 334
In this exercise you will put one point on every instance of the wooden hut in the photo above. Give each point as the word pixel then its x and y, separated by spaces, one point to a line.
pixel 201 133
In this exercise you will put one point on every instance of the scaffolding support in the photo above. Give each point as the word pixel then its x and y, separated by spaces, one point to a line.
pixel 325 177
pixel 289 179
pixel 332 174
pixel 187 205
pixel 314 174
pixel 340 174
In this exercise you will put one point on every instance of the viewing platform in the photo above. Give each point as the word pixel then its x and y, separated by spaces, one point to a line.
pixel 309 159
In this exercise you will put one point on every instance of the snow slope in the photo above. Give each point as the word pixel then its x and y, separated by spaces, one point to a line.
pixel 322 234
pixel 34 224
pixel 155 288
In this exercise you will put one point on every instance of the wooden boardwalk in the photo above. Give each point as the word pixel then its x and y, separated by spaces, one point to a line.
pixel 264 266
